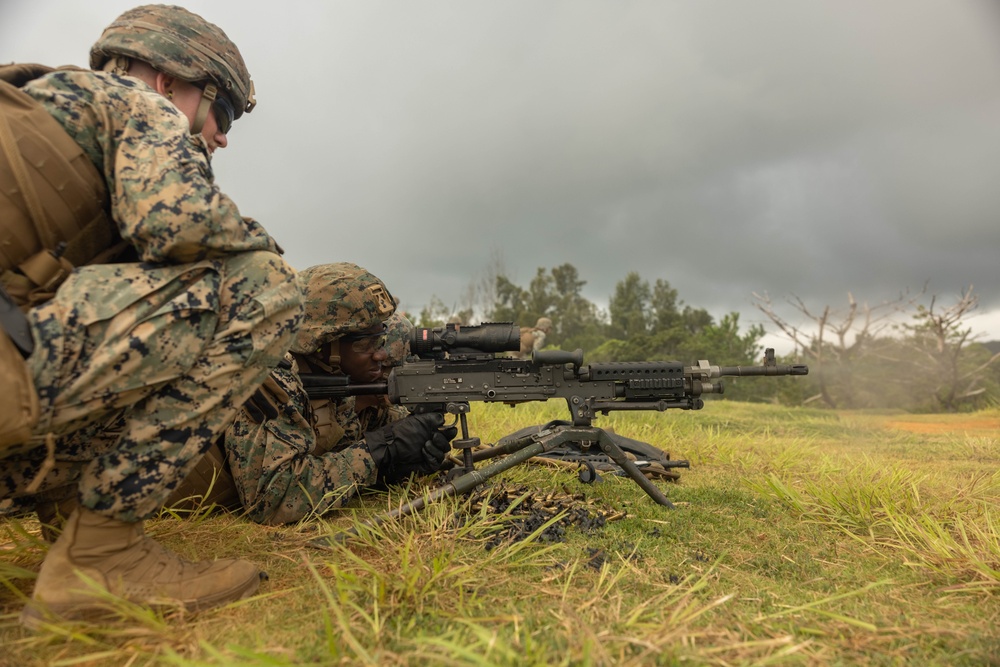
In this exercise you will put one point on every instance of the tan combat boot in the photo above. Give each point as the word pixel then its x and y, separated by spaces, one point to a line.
pixel 53 508
pixel 122 560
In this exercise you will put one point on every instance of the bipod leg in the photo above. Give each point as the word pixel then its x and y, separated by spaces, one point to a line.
pixel 561 434
pixel 611 448
pixel 615 453
pixel 465 444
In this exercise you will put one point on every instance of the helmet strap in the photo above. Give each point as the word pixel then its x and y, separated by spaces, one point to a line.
pixel 323 359
pixel 204 107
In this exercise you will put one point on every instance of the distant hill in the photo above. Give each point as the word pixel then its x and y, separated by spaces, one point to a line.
pixel 993 346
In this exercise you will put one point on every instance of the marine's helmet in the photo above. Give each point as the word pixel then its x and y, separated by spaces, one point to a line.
pixel 181 44
pixel 340 299
pixel 397 342
pixel 544 323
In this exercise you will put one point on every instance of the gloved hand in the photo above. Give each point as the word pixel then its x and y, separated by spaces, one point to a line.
pixel 411 445
pixel 267 401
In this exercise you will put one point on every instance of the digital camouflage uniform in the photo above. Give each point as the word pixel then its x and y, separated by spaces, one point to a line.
pixel 166 343
pixel 291 457
pixel 173 342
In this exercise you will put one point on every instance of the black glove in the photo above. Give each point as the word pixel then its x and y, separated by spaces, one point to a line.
pixel 411 445
pixel 267 401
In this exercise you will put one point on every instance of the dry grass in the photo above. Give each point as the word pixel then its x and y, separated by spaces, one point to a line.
pixel 802 537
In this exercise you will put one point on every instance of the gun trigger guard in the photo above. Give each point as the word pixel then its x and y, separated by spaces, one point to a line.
pixel 453 423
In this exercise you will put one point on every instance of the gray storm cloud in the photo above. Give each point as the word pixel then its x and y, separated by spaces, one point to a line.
pixel 730 148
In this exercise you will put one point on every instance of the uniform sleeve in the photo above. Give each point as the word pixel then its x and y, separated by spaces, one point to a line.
pixel 164 199
pixel 278 478
pixel 354 424
pixel 385 413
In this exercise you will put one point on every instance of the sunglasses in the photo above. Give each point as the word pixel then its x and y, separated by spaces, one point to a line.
pixel 367 343
pixel 224 113
pixel 222 108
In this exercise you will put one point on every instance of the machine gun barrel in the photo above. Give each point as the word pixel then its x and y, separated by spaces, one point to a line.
pixel 780 369
pixel 770 367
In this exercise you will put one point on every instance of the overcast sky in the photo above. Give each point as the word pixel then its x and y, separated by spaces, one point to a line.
pixel 778 146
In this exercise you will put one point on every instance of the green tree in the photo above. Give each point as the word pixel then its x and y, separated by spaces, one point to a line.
pixel 576 319
pixel 556 294
pixel 541 298
pixel 433 315
pixel 664 306
pixel 723 344
pixel 696 319
pixel 524 306
pixel 629 307
pixel 511 301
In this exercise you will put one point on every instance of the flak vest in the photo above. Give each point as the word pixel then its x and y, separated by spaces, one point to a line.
pixel 54 202
pixel 54 207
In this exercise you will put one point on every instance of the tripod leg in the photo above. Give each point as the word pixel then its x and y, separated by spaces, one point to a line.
pixel 609 447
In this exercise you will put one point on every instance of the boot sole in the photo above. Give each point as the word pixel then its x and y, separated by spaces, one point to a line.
pixel 34 617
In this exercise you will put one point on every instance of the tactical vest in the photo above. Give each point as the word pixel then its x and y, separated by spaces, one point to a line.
pixel 53 201
pixel 53 216
pixel 326 425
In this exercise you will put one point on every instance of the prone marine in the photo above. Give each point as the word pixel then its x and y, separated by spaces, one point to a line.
pixel 287 457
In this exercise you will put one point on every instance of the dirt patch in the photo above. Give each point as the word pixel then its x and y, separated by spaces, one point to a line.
pixel 956 425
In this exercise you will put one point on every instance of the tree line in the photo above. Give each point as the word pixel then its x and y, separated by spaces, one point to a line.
pixel 913 353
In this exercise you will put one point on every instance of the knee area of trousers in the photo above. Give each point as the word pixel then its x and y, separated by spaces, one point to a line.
pixel 264 299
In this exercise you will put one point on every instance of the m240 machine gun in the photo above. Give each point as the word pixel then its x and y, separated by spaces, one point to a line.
pixel 458 365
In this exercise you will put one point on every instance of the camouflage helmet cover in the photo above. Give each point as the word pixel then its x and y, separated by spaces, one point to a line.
pixel 544 323
pixel 340 298
pixel 397 341
pixel 181 44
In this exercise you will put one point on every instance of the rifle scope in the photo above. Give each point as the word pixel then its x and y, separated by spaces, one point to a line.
pixel 486 337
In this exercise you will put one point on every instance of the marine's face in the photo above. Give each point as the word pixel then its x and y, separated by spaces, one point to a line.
pixel 362 354
pixel 187 97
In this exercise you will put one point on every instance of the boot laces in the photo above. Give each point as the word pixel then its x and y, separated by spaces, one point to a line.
pixel 150 561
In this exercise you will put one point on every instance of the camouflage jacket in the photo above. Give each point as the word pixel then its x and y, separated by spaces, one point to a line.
pixel 307 458
pixel 163 196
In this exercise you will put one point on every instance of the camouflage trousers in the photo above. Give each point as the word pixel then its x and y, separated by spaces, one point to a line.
pixel 167 354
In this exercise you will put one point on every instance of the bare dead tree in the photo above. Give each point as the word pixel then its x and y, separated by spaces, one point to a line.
pixel 940 342
pixel 833 339
pixel 467 312
pixel 485 284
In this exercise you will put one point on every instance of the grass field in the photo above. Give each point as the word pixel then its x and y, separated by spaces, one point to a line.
pixel 800 537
